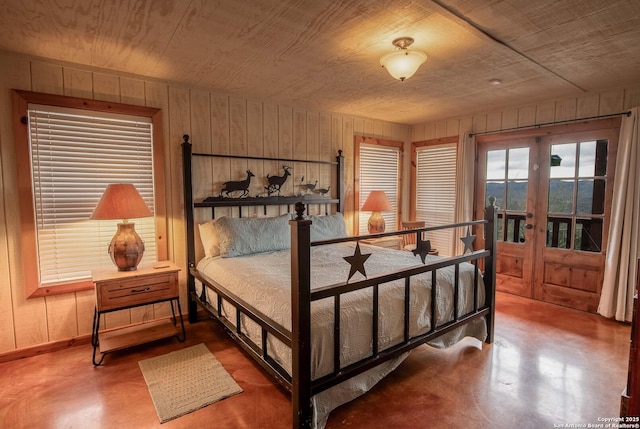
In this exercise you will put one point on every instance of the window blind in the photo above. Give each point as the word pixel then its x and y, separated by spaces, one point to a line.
pixel 435 192
pixel 379 167
pixel 75 154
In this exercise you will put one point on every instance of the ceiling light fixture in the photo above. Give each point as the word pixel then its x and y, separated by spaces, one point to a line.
pixel 403 63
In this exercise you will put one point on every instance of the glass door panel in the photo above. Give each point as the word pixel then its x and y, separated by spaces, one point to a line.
pixel 576 195
pixel 507 180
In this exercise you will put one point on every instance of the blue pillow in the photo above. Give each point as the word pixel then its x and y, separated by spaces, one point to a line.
pixel 328 227
pixel 246 236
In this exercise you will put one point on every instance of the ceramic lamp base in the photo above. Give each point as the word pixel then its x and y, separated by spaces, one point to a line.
pixel 126 247
pixel 376 223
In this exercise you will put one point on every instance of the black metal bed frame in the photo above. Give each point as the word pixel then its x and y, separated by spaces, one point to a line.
pixel 299 382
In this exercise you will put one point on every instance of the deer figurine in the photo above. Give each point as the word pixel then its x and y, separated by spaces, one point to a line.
pixel 276 182
pixel 241 185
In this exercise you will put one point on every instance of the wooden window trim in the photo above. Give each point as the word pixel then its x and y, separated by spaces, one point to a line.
pixel 358 140
pixel 28 254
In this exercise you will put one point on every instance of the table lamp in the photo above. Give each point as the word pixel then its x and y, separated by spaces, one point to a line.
pixel 122 201
pixel 376 202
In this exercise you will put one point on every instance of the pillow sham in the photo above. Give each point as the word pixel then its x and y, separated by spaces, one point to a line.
pixel 245 236
pixel 209 238
pixel 328 227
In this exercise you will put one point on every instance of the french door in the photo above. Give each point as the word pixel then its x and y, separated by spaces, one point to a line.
pixel 553 194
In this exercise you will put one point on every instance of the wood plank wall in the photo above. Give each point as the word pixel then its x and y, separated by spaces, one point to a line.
pixel 215 122
pixel 522 115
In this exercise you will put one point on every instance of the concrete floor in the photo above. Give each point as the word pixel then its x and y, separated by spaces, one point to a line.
pixel 548 366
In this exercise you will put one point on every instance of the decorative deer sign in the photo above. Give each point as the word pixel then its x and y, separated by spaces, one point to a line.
pixel 241 185
pixel 276 182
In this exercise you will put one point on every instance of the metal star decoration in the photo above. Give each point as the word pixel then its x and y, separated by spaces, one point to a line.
pixel 423 247
pixel 357 262
pixel 468 241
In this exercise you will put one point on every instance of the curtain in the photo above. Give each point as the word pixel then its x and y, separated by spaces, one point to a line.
pixel 620 269
pixel 465 172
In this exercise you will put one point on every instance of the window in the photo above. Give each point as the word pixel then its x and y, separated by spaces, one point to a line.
pixel 378 167
pixel 68 150
pixel 434 191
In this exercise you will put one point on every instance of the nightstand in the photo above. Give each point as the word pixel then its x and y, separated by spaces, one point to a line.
pixel 119 290
pixel 393 242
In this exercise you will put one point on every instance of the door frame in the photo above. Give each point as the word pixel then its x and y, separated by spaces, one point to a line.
pixel 537 288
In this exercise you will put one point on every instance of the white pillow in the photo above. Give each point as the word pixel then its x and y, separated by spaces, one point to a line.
pixel 245 236
pixel 209 238
pixel 328 227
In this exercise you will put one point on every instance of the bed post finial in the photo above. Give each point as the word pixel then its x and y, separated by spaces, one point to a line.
pixel 299 210
pixel 186 138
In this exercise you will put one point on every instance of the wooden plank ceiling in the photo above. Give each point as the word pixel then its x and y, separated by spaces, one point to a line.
pixel 323 54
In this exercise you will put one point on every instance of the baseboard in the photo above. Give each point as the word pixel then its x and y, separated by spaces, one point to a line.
pixel 41 349
pixel 53 346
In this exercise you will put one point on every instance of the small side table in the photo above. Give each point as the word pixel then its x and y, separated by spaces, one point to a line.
pixel 393 242
pixel 119 290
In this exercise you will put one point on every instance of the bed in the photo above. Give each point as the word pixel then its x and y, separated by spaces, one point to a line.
pixel 277 282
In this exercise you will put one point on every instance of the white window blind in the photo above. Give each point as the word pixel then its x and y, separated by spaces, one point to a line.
pixel 379 167
pixel 435 192
pixel 75 154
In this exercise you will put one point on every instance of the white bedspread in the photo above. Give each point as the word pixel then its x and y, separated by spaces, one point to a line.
pixel 263 280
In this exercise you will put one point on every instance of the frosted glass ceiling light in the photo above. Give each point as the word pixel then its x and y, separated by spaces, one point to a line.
pixel 403 63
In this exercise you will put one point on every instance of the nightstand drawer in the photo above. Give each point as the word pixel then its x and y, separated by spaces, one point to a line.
pixel 129 292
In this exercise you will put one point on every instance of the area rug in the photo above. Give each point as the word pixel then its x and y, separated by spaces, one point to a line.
pixel 185 380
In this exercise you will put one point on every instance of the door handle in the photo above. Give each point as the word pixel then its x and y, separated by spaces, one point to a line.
pixel 528 226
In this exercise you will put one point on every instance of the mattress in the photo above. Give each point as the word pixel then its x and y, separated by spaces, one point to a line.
pixel 263 280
